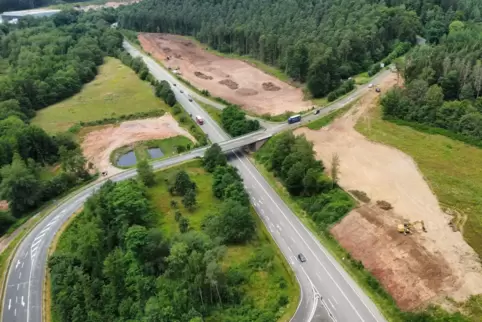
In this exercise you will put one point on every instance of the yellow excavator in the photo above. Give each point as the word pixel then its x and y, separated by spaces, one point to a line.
pixel 407 227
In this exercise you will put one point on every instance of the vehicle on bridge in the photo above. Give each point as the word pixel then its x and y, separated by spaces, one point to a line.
pixel 199 120
pixel 294 119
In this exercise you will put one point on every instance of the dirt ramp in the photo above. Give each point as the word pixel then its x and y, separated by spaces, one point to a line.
pixel 202 75
pixel 409 272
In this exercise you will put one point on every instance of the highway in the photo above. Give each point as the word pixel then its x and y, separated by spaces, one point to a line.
pixel 327 292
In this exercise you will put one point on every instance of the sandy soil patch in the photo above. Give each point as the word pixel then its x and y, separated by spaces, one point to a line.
pixel 415 269
pixel 110 4
pixel 97 145
pixel 249 91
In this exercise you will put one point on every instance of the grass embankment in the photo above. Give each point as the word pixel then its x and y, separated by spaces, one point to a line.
pixel 452 169
pixel 115 91
pixel 262 286
pixel 327 119
pixel 169 147
pixel 212 111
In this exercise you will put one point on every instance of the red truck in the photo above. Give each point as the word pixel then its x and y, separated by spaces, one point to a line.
pixel 199 120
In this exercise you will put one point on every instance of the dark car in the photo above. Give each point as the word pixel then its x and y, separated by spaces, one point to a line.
pixel 182 91
pixel 317 112
pixel 301 257
pixel 190 99
pixel 378 90
pixel 174 84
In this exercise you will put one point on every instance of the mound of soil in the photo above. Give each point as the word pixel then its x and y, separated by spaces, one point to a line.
pixel 243 75
pixel 246 92
pixel 203 76
pixel 229 83
pixel 270 87
pixel 166 50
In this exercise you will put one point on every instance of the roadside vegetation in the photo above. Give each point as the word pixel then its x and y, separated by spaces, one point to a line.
pixel 196 213
pixel 115 92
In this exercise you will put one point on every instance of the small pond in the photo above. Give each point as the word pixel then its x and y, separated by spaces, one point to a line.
pixel 155 153
pixel 127 160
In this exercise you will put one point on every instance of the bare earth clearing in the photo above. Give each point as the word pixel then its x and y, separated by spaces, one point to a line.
pixel 415 269
pixel 234 80
pixel 97 145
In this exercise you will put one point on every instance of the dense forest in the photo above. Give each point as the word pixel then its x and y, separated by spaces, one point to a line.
pixel 44 61
pixel 443 85
pixel 115 264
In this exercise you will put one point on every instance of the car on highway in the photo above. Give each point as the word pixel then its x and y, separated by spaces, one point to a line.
pixel 190 99
pixel 378 90
pixel 199 120
pixel 370 85
pixel 182 91
pixel 301 257
pixel 174 84
pixel 317 112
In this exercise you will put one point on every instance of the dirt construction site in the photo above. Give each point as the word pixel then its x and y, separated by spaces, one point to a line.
pixel 233 80
pixel 98 144
pixel 417 268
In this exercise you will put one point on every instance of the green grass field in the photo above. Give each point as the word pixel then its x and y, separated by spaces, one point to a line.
pixel 262 285
pixel 453 169
pixel 116 91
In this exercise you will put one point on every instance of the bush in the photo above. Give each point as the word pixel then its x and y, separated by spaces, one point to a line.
pixel 234 121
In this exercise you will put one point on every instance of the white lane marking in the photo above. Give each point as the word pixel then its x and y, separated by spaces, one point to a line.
pixel 321 279
pixel 39 237
pixel 45 230
pixel 292 260
pixel 34 249
pixel 18 286
pixel 279 227
pixel 16 299
pixel 34 245
pixel 331 304
pixel 327 309
pixel 306 244
pixel 23 263
pixel 9 304
pixel 16 265
pixel 334 299
pixel 260 201
pixel 289 248
pixel 22 301
pixel 15 313
pixel 20 276
pixel 262 211
pixel 26 253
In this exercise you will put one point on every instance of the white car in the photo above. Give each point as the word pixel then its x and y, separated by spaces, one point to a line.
pixel 370 85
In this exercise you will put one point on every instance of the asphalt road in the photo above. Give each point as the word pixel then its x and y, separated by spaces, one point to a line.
pixel 327 292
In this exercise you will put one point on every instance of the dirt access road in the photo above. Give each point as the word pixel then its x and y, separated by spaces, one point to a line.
pixel 234 80
pixel 416 269
pixel 97 145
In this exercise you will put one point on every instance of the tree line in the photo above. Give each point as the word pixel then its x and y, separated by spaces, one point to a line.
pixel 317 42
pixel 234 121
pixel 292 159
pixel 115 263
pixel 443 85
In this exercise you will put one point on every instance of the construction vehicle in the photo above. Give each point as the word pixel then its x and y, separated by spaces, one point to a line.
pixel 407 227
